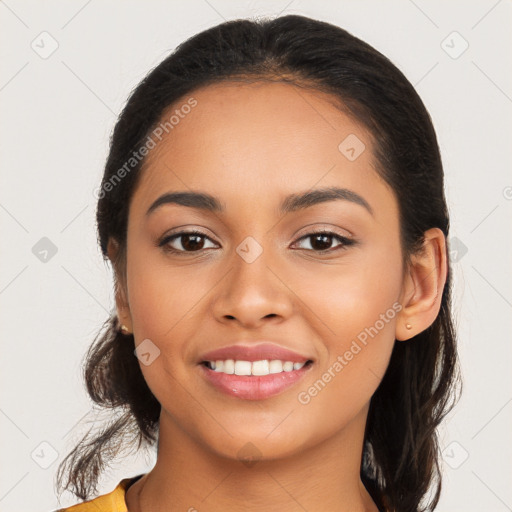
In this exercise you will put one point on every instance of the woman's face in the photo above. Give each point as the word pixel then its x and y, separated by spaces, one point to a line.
pixel 257 274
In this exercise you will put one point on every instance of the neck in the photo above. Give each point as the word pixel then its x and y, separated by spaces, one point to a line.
pixel 189 477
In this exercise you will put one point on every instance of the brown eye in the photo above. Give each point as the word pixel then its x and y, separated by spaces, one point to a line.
pixel 322 241
pixel 185 241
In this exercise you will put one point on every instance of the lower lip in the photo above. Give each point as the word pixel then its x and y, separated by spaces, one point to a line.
pixel 252 387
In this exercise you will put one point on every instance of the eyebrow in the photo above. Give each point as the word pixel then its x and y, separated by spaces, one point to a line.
pixel 292 203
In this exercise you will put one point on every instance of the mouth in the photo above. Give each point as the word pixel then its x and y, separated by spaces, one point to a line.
pixel 253 380
pixel 254 368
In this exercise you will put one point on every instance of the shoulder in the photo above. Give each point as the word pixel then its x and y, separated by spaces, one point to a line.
pixel 113 501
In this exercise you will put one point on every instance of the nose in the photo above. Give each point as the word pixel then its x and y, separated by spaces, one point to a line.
pixel 253 291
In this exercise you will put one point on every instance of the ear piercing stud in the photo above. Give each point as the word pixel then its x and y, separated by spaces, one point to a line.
pixel 124 329
pixel 408 326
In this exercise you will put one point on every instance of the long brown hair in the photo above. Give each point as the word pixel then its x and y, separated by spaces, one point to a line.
pixel 401 459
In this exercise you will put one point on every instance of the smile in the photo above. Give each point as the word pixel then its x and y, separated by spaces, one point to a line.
pixel 264 367
pixel 253 380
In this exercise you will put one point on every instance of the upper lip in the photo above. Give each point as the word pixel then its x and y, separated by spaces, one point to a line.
pixel 254 352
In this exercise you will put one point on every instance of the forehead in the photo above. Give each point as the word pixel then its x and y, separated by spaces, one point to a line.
pixel 259 141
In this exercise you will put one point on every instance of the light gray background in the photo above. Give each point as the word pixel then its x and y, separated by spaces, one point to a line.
pixel 57 114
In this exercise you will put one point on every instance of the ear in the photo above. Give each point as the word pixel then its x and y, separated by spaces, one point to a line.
pixel 423 286
pixel 121 296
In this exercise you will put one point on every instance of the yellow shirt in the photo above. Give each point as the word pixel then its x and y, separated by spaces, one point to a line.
pixel 112 502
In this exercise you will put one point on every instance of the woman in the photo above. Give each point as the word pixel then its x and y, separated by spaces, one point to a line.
pixel 273 207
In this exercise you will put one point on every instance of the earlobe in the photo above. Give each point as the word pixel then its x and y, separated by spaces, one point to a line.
pixel 122 304
pixel 123 311
pixel 423 286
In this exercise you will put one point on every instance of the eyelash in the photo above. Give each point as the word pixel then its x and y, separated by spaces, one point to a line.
pixel 345 242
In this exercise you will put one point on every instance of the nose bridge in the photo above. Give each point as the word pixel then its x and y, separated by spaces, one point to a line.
pixel 252 289
pixel 252 260
pixel 255 238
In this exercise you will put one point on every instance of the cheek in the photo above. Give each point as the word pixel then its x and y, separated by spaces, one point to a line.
pixel 164 303
pixel 162 297
pixel 353 309
pixel 348 297
pixel 167 305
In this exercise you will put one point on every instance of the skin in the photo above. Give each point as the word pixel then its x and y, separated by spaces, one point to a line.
pixel 251 144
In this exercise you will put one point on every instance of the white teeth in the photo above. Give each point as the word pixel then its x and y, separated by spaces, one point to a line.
pixel 275 366
pixel 243 367
pixel 263 367
pixel 260 368
pixel 229 366
pixel 288 366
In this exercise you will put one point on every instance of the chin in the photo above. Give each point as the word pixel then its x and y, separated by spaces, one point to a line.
pixel 257 445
